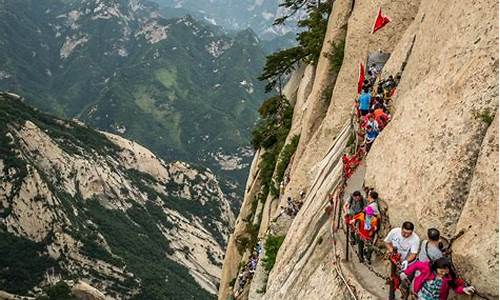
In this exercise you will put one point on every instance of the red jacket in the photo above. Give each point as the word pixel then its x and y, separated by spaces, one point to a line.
pixel 427 274
pixel 360 220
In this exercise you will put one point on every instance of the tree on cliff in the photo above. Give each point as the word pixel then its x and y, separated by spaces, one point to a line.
pixel 310 41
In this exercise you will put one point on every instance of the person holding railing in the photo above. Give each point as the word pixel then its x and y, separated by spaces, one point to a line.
pixel 366 224
pixel 435 280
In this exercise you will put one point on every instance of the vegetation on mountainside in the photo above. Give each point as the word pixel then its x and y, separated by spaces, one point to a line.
pixel 284 160
pixel 23 263
pixel 249 239
pixel 136 238
pixel 336 56
pixel 59 291
pixel 72 137
pixel 310 41
pixel 484 115
pixel 196 87
pixel 271 247
pixel 270 134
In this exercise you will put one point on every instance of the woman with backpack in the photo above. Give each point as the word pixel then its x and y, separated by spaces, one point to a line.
pixel 435 280
pixel 366 224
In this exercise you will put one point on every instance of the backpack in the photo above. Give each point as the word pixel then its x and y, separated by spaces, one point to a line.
pixel 426 248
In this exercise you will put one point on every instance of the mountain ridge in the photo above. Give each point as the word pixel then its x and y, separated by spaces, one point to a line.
pixel 102 209
pixel 121 67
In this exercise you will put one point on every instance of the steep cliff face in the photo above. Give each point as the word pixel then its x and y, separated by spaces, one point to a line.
pixel 106 210
pixel 448 98
pixel 435 164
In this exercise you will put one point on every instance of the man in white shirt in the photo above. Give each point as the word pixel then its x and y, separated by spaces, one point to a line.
pixel 405 241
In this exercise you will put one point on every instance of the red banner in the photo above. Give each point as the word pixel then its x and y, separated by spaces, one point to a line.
pixel 381 21
pixel 361 77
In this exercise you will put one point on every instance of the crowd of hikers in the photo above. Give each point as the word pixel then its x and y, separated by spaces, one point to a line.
pixel 420 269
pixel 373 105
pixel 291 209
pixel 423 267
pixel 249 269
pixel 246 274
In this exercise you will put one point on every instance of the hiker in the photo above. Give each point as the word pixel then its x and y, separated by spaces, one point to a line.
pixel 405 241
pixel 375 103
pixel 353 207
pixel 370 136
pixel 380 103
pixel 364 102
pixel 435 279
pixel 242 280
pixel 380 90
pixel 253 264
pixel 381 117
pixel 258 248
pixel 397 79
pixel 371 122
pixel 292 207
pixel 298 205
pixel 367 85
pixel 431 249
pixel 373 202
pixel 372 71
pixel 366 224
pixel 355 204
pixel 389 86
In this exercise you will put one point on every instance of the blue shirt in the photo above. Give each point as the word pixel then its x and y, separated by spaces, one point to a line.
pixel 364 101
pixel 371 135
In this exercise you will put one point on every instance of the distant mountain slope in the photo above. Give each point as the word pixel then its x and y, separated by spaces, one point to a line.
pixel 79 204
pixel 178 86
pixel 236 15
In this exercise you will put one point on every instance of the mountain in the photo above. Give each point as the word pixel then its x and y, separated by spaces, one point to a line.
pixel 179 86
pixel 76 203
pixel 238 15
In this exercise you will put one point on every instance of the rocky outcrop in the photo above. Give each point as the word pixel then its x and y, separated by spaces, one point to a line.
pixel 234 253
pixel 84 291
pixel 435 163
pixel 478 260
pixel 81 194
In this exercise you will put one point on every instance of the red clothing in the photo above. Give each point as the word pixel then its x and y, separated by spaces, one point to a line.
pixel 380 117
pixel 426 274
pixel 360 220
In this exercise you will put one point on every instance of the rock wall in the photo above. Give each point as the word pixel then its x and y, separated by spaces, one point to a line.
pixel 233 257
pixel 448 92
pixel 435 164
pixel 355 19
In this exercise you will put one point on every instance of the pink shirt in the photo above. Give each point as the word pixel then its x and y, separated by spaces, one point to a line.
pixel 427 274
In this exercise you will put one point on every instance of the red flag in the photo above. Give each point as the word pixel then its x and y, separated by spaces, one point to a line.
pixel 394 93
pixel 381 21
pixel 361 77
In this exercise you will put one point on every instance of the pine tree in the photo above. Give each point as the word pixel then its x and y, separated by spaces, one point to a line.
pixel 310 40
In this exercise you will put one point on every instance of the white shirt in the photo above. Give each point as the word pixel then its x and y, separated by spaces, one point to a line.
pixel 405 246
pixel 373 124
